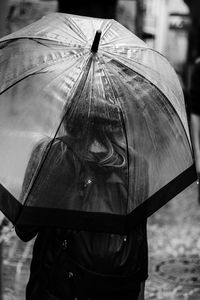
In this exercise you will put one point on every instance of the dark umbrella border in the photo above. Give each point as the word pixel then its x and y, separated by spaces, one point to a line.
pixel 91 221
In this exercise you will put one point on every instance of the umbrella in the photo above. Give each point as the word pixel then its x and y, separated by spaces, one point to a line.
pixel 76 89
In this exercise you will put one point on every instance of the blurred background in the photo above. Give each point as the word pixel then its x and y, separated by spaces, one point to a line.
pixel 171 27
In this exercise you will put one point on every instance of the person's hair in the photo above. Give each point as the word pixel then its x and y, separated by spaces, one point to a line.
pixel 98 129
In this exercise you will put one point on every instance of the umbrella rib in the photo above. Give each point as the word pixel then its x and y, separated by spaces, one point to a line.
pixel 78 29
pixel 80 86
pixel 105 29
pixel 124 45
pixel 109 24
pixel 13 39
pixel 115 56
pixel 58 45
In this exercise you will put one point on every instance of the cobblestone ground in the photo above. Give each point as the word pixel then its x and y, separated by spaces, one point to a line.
pixel 173 232
pixel 174 249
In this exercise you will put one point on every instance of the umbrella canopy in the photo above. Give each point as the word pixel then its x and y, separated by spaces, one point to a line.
pixel 85 98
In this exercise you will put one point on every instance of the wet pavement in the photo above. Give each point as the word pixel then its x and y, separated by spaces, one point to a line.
pixel 174 249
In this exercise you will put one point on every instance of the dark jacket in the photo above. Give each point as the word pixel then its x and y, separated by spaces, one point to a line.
pixel 68 263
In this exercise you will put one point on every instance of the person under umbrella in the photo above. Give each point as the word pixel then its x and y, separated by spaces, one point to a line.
pixel 69 264
pixel 118 150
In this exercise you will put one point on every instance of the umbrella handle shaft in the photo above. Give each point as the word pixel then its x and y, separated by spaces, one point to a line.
pixel 95 44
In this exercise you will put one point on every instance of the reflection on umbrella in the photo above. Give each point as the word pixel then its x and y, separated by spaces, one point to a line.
pixel 66 77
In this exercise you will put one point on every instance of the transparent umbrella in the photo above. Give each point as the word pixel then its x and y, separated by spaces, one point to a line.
pixel 102 117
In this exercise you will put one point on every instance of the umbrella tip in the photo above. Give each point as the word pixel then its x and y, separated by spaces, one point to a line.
pixel 95 44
